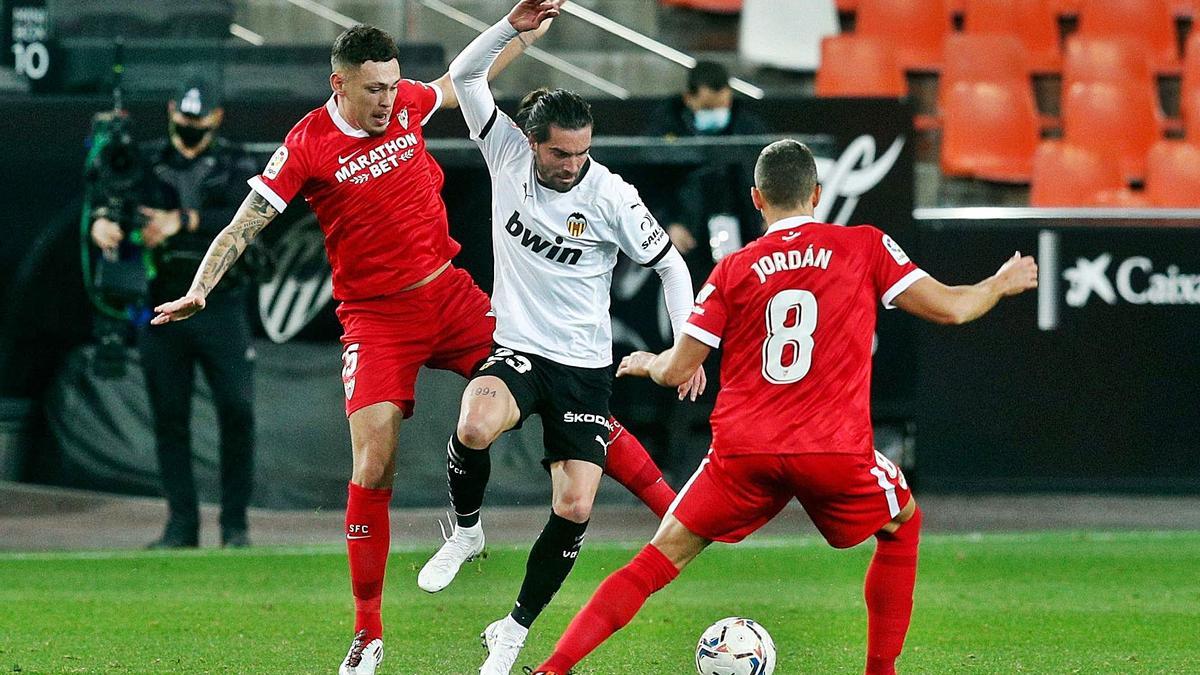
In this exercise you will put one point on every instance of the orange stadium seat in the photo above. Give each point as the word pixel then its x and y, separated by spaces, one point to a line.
pixel 1191 115
pixel 990 58
pixel 1147 23
pixel 1186 9
pixel 1032 21
pixel 1173 174
pixel 1121 121
pixel 1066 7
pixel 1067 175
pixel 916 28
pixel 1190 91
pixel 1105 60
pixel 989 131
pixel 855 66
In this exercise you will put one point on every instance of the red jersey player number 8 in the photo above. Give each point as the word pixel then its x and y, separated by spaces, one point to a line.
pixel 791 322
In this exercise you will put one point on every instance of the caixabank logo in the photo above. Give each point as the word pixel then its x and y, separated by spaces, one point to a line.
pixel 1135 280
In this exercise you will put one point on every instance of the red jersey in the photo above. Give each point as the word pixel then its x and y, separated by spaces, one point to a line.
pixel 794 313
pixel 377 198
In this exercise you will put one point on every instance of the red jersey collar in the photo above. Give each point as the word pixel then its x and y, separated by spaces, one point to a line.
pixel 790 223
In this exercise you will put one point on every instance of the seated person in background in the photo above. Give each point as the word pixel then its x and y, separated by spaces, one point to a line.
pixel 708 214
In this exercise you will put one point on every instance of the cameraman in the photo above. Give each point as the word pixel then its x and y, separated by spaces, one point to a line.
pixel 194 182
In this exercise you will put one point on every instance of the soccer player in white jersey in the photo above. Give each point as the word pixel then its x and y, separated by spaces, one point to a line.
pixel 559 220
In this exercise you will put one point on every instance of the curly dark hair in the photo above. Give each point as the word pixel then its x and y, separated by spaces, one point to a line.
pixel 362 43
pixel 542 107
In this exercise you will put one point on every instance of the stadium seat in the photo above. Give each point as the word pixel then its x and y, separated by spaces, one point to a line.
pixel 984 58
pixel 1105 60
pixel 1147 23
pixel 1065 7
pixel 785 35
pixel 989 131
pixel 1067 175
pixel 1190 92
pixel 1186 9
pixel 1191 116
pixel 916 28
pixel 1031 21
pixel 855 66
pixel 1173 174
pixel 1120 121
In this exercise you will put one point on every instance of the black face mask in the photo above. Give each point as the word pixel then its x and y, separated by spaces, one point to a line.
pixel 188 135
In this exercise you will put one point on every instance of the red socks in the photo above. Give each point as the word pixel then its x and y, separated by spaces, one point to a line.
pixel 630 465
pixel 368 537
pixel 612 606
pixel 889 594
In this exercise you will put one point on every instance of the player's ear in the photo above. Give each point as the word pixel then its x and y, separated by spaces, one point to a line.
pixel 532 142
pixel 816 195
pixel 337 82
pixel 756 198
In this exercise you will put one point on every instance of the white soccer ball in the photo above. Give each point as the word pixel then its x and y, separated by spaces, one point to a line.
pixel 735 646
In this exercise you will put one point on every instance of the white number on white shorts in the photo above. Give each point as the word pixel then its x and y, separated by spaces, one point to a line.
pixel 889 475
pixel 780 334
pixel 515 361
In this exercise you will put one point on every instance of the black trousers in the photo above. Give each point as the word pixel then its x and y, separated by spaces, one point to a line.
pixel 220 341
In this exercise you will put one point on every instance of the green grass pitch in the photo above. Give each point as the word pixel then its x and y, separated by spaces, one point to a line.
pixel 1020 603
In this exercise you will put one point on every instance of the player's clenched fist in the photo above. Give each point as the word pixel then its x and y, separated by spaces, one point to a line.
pixel 636 364
pixel 1017 274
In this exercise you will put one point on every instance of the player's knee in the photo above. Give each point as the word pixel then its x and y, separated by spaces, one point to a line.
pixel 373 465
pixel 477 430
pixel 576 508
pixel 373 473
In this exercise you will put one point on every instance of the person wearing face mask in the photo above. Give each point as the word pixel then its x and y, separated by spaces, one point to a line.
pixel 707 212
pixel 193 183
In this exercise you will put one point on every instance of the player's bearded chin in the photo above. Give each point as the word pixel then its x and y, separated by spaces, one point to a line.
pixel 554 179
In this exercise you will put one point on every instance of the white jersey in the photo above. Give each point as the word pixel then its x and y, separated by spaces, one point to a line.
pixel 554 251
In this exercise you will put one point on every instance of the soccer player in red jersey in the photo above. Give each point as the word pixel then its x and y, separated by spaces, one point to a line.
pixel 361 163
pixel 794 313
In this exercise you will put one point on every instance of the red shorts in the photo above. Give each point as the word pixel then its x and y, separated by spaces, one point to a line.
pixel 849 497
pixel 445 324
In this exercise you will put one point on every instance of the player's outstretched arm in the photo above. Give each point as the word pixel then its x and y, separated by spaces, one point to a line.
pixel 508 55
pixel 469 70
pixel 670 368
pixel 253 215
pixel 933 301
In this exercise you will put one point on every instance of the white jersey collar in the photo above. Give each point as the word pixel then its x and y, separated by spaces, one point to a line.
pixel 340 122
pixel 790 223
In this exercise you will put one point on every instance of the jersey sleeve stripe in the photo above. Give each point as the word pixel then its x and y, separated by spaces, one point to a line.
pixel 661 254
pixel 437 102
pixel 267 193
pixel 901 286
pixel 488 127
pixel 701 335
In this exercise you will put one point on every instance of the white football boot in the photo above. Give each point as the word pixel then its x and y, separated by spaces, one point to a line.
pixel 503 640
pixel 364 657
pixel 463 545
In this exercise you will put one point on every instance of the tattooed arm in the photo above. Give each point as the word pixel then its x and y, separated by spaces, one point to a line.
pixel 253 215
